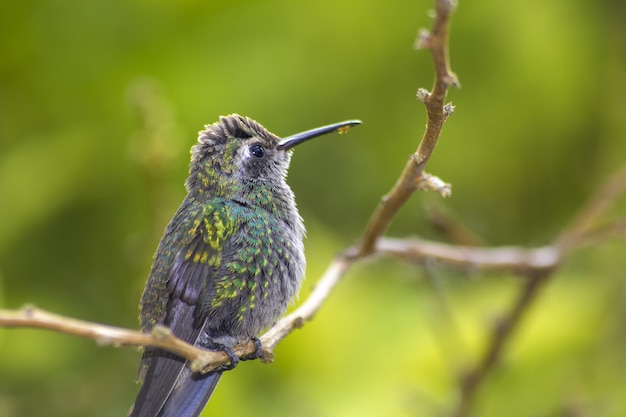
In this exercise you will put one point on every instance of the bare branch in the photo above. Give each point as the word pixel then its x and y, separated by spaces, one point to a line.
pixel 451 228
pixel 591 212
pixel 307 310
pixel 579 230
pixel 104 335
pixel 412 176
pixel 201 360
pixel 499 337
pixel 508 259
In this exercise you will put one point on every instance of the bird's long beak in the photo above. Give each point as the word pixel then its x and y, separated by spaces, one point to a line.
pixel 293 140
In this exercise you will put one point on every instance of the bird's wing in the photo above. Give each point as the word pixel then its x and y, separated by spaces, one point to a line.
pixel 193 250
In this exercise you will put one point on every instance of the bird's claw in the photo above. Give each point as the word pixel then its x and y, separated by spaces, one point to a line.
pixel 258 350
pixel 232 357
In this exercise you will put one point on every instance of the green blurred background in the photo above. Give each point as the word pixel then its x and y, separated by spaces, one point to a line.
pixel 100 101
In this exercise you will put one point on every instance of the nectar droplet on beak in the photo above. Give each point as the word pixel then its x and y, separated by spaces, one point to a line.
pixel 293 140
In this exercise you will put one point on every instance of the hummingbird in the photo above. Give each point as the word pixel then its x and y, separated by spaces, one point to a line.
pixel 230 262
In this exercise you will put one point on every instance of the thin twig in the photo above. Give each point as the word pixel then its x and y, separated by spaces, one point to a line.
pixel 577 233
pixel 582 224
pixel 413 176
pixel 506 258
pixel 335 271
pixel 451 228
pixel 499 337
pixel 104 335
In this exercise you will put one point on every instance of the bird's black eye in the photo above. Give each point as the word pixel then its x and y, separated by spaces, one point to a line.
pixel 257 150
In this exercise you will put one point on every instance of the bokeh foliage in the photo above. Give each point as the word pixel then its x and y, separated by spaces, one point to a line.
pixel 101 100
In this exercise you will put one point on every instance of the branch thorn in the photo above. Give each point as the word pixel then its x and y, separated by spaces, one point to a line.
pixel 450 79
pixel 422 94
pixel 423 39
pixel 428 182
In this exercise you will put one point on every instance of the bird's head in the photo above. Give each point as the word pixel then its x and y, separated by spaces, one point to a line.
pixel 237 153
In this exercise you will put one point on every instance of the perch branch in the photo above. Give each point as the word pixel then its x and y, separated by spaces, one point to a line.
pixel 104 335
pixel 201 360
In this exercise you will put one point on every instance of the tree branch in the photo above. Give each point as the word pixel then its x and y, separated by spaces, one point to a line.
pixel 578 231
pixel 104 335
pixel 335 271
pixel 581 226
pixel 500 336
pixel 413 176
pixel 201 360
pixel 507 258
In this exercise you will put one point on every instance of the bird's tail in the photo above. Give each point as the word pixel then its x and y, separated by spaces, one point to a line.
pixel 170 389
pixel 190 397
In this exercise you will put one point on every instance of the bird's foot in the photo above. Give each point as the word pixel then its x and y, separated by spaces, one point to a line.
pixel 232 357
pixel 258 350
